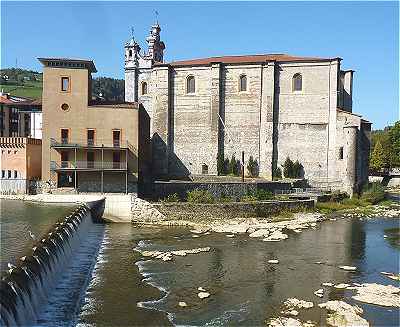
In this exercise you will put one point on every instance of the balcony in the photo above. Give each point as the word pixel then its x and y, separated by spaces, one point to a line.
pixel 88 165
pixel 65 143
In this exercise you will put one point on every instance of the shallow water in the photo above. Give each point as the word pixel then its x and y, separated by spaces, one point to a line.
pixel 17 218
pixel 245 289
pixel 108 283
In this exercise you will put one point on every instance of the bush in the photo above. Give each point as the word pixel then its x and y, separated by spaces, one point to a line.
pixel 338 196
pixel 288 168
pixel 171 198
pixel 252 167
pixel 277 173
pixel 221 167
pixel 373 193
pixel 297 170
pixel 200 196
pixel 248 198
pixel 234 166
pixel 264 195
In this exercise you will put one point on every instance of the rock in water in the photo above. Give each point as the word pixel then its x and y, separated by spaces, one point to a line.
pixel 384 295
pixel 348 268
pixel 203 295
pixel 343 314
pixel 273 261
pixel 319 293
pixel 327 284
pixel 201 289
pixel 296 303
pixel 342 286
pixel 182 304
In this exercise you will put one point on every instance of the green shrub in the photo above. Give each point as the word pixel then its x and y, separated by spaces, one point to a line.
pixel 297 170
pixel 264 195
pixel 288 168
pixel 373 193
pixel 225 198
pixel 234 166
pixel 221 166
pixel 338 196
pixel 171 198
pixel 248 198
pixel 277 173
pixel 200 196
pixel 252 167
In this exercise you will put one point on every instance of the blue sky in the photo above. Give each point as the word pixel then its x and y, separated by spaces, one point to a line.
pixel 364 34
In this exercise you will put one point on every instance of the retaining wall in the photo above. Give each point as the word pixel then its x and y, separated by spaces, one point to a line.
pixel 201 212
pixel 236 190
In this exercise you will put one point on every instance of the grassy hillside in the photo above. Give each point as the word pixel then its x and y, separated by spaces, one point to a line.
pixel 21 82
pixel 31 90
pixel 28 83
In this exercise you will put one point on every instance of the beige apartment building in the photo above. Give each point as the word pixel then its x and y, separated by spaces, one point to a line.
pixel 88 145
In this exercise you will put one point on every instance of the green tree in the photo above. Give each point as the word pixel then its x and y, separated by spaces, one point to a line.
pixel 234 166
pixel 394 136
pixel 288 168
pixel 221 168
pixel 252 167
pixel 297 169
pixel 378 161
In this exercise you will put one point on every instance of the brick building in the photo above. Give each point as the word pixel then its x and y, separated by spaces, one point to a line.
pixel 270 106
pixel 89 146
pixel 20 163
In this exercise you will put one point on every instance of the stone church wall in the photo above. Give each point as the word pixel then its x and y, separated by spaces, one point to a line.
pixel 194 142
pixel 241 111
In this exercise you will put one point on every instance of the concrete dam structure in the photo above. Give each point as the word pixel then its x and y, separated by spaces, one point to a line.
pixel 26 287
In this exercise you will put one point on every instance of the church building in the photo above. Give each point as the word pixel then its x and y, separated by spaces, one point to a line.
pixel 271 106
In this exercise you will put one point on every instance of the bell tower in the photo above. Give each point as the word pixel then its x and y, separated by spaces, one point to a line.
pixel 132 50
pixel 155 45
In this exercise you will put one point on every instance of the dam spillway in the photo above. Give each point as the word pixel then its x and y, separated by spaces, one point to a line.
pixel 45 286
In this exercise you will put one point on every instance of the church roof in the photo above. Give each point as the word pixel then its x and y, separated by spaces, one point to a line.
pixel 280 57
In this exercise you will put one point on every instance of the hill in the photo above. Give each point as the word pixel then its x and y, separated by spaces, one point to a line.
pixel 29 84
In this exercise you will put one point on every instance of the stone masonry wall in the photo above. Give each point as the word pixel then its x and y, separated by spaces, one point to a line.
pixel 204 212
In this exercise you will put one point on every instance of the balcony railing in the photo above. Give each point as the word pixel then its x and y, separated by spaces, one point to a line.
pixel 91 143
pixel 98 165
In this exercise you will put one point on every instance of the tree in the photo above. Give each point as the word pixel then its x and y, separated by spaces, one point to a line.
pixel 297 170
pixel 378 161
pixel 252 167
pixel 221 168
pixel 234 166
pixel 288 168
pixel 394 136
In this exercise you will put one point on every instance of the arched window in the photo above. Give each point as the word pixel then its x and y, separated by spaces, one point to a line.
pixel 190 84
pixel 297 82
pixel 130 53
pixel 242 83
pixel 144 88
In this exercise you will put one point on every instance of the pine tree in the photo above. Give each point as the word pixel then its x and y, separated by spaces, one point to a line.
pixel 378 157
pixel 288 168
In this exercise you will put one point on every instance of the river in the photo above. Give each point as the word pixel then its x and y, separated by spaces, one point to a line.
pixel 119 287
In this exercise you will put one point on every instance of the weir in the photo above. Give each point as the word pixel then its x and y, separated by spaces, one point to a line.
pixel 26 287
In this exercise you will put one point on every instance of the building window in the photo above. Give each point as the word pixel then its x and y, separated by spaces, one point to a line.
pixel 190 84
pixel 130 53
pixel 297 82
pixel 90 159
pixel 65 84
pixel 116 160
pixel 341 153
pixel 3 174
pixel 242 83
pixel 64 135
pixel 116 138
pixel 144 88
pixel 15 174
pixel 90 137
pixel 9 174
pixel 65 106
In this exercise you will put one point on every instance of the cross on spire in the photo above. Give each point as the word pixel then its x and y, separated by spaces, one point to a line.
pixel 132 30
pixel 156 13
